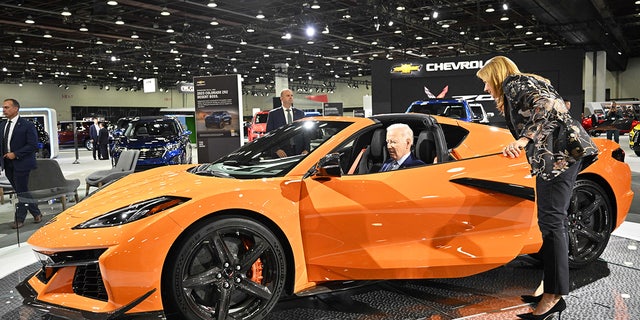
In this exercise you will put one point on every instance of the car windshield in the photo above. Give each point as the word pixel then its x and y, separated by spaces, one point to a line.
pixel 262 117
pixel 155 128
pixel 452 110
pixel 275 154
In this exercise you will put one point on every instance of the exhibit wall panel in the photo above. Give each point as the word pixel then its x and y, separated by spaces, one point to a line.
pixel 397 83
pixel 629 80
pixel 61 99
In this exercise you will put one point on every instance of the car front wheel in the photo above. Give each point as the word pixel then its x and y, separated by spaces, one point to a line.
pixel 229 268
pixel 590 223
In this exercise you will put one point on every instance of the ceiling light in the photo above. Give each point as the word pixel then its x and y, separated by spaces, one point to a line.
pixel 47 34
pixel 83 28
pixel 260 15
pixel 504 18
pixel 170 30
pixel 214 22
pixel 165 12
pixel 134 35
pixel 435 14
pixel 112 3
pixel 326 30
pixel 490 9
pixel 98 41
pixel 519 26
pixel 349 37
pixel 65 12
pixel 286 36
pixel 311 31
pixel 505 6
pixel 119 21
pixel 29 20
pixel 242 42
pixel 250 29
pixel 18 40
pixel 315 5
pixel 212 4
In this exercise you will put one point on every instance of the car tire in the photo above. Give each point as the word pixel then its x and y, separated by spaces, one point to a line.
pixel 229 268
pixel 88 144
pixel 590 224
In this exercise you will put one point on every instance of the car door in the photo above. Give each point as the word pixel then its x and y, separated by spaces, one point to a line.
pixel 412 223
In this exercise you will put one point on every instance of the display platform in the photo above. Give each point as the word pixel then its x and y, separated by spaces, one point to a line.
pixel 604 290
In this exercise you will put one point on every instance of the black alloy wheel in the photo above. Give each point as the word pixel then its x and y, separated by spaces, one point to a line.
pixel 590 223
pixel 230 268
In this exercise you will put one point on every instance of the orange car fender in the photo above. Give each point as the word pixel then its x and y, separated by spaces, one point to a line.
pixel 276 199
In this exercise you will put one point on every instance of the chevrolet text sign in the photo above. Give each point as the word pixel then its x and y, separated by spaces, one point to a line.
pixel 451 66
pixel 419 69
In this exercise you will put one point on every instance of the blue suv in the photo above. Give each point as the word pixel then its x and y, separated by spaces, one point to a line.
pixel 217 119
pixel 452 108
pixel 161 141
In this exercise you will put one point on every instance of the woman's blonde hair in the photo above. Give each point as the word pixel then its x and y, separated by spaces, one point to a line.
pixel 494 72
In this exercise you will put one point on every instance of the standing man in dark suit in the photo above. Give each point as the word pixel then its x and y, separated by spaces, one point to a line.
pixel 19 145
pixel 94 131
pixel 399 142
pixel 284 114
pixel 103 142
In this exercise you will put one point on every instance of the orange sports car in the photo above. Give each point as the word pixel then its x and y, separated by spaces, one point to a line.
pixel 303 206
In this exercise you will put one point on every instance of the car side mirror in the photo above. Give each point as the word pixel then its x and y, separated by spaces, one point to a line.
pixel 328 166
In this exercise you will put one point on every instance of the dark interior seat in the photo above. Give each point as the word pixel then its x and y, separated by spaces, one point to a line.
pixel 375 154
pixel 425 147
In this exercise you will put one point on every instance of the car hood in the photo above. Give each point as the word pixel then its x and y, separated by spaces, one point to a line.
pixel 172 180
pixel 259 127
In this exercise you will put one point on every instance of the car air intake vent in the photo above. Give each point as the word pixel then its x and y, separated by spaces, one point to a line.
pixel 87 282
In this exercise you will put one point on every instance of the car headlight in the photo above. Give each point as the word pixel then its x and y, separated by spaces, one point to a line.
pixel 132 212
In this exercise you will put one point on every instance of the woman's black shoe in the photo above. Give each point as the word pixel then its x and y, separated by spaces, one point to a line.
pixel 530 299
pixel 558 307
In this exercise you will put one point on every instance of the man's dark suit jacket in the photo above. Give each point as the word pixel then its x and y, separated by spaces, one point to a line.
pixel 24 143
pixel 276 118
pixel 411 161
pixel 93 132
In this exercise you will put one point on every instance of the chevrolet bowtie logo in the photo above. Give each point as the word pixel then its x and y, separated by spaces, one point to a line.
pixel 406 68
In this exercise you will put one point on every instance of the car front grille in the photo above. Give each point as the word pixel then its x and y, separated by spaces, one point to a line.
pixel 151 153
pixel 87 282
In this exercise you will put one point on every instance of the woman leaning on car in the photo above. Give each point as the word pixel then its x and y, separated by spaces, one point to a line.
pixel 555 146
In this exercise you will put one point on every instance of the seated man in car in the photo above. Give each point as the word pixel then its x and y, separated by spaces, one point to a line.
pixel 399 142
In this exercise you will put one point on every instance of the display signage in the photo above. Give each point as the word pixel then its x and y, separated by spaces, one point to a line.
pixel 332 108
pixel 149 85
pixel 399 83
pixel 186 88
pixel 218 102
pixel 417 69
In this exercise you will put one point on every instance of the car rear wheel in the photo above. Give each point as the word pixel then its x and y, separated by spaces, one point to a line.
pixel 230 268
pixel 590 223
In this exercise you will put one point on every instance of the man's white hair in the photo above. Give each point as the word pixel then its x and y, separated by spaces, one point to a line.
pixel 404 129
